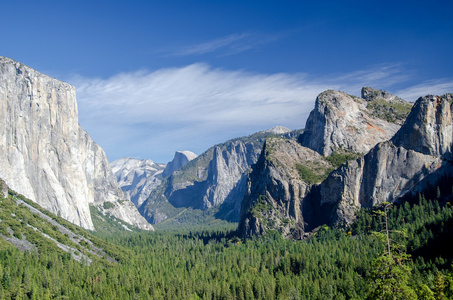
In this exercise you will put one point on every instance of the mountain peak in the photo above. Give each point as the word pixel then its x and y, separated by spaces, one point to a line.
pixel 342 122
pixel 278 130
pixel 428 128
pixel 180 159
pixel 370 94
pixel 47 156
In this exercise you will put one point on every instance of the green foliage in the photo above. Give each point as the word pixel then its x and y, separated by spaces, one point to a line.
pixel 261 206
pixel 390 276
pixel 394 112
pixel 312 174
pixel 315 172
pixel 108 205
pixel 336 159
pixel 106 223
pixel 216 264
pixel 194 219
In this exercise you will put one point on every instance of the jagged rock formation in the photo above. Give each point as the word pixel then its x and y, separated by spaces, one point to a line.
pixel 343 122
pixel 215 179
pixel 275 189
pixel 181 159
pixel 278 130
pixel 386 106
pixel 418 153
pixel 420 149
pixel 46 155
pixel 370 95
pixel 339 128
pixel 137 177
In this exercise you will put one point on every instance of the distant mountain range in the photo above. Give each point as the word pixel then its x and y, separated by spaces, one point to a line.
pixel 354 152
pixel 212 182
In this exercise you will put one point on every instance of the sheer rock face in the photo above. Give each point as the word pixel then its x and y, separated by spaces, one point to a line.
pixel 421 148
pixel 428 128
pixel 137 177
pixel 341 121
pixel 277 199
pixel 181 159
pixel 46 155
pixel 224 172
pixel 370 94
pixel 215 179
pixel 275 192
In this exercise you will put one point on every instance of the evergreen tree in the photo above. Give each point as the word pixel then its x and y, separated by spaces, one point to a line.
pixel 390 276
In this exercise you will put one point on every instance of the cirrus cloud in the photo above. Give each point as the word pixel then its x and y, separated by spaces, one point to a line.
pixel 151 114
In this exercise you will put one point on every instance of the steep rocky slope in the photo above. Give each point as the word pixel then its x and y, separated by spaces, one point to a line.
pixel 180 159
pixel 275 189
pixel 47 156
pixel 421 151
pixel 343 122
pixel 214 180
pixel 27 226
pixel 340 128
pixel 137 177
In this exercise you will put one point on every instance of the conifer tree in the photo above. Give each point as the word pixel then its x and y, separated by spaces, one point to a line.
pixel 390 275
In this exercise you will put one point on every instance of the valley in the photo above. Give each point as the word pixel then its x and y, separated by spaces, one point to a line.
pixel 278 214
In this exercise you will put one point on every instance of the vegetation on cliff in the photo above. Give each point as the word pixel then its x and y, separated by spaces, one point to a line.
pixel 332 264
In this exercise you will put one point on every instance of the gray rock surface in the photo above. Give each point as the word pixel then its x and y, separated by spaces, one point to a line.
pixel 342 122
pixel 421 147
pixel 180 159
pixel 214 180
pixel 370 94
pixel 137 177
pixel 275 190
pixel 419 152
pixel 46 155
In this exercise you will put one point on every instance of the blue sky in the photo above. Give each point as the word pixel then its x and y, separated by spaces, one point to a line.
pixel 154 77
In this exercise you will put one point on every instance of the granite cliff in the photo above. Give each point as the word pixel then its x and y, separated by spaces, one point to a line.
pixel 283 189
pixel 420 152
pixel 215 180
pixel 180 159
pixel 344 122
pixel 47 156
pixel 137 177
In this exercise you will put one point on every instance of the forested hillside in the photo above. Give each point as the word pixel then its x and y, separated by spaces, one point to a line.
pixel 331 264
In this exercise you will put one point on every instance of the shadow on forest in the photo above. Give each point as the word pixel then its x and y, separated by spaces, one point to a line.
pixel 212 236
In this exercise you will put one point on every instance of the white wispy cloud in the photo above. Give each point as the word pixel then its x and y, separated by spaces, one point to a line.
pixel 210 46
pixel 227 45
pixel 151 114
pixel 433 87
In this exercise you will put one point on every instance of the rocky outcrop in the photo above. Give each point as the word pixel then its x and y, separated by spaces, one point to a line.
pixel 418 153
pixel 370 95
pixel 3 189
pixel 428 127
pixel 46 155
pixel 421 147
pixel 342 122
pixel 222 178
pixel 278 130
pixel 181 159
pixel 137 177
pixel 275 193
pixel 384 105
pixel 214 180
